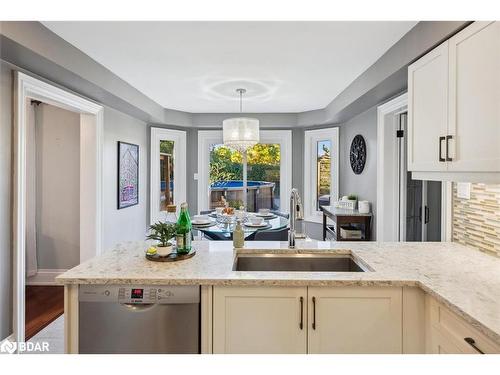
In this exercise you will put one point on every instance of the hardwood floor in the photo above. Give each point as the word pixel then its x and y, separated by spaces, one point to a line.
pixel 44 304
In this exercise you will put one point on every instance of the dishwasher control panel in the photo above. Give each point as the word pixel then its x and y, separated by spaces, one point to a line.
pixel 139 294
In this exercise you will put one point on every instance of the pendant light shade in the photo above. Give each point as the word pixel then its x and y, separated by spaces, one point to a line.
pixel 240 133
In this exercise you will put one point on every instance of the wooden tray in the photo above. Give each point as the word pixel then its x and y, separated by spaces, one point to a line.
pixel 172 257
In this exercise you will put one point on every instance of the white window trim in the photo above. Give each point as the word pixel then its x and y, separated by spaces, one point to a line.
pixel 311 137
pixel 179 139
pixel 210 137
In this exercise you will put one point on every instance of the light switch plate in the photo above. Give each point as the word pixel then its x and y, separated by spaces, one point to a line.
pixel 463 190
pixel 195 176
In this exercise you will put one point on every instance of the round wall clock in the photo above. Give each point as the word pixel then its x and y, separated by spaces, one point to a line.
pixel 358 154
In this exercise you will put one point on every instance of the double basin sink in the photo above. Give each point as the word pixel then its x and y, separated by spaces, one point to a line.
pixel 297 262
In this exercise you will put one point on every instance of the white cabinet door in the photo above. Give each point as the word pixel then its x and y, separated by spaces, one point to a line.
pixel 441 344
pixel 259 320
pixel 355 320
pixel 428 111
pixel 448 333
pixel 474 100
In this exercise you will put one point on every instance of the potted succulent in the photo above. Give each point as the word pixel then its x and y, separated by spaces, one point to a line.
pixel 162 232
pixel 353 198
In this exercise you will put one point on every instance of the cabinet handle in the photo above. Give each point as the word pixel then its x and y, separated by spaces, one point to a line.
pixel 426 215
pixel 314 313
pixel 301 324
pixel 441 139
pixel 448 137
pixel 472 342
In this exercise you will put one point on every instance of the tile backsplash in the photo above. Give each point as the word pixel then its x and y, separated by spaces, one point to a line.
pixel 476 221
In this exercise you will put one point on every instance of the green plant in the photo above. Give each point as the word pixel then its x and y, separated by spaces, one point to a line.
pixel 162 232
pixel 236 204
pixel 352 197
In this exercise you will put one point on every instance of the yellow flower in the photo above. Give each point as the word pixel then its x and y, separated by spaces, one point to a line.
pixel 151 250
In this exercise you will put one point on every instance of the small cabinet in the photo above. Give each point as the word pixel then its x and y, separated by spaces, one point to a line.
pixel 355 320
pixel 453 106
pixel 259 320
pixel 428 111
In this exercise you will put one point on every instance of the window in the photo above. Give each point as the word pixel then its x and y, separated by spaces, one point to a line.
pixel 226 176
pixel 220 171
pixel 323 173
pixel 168 171
pixel 320 171
pixel 166 174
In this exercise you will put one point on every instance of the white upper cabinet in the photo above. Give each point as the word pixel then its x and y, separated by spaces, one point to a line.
pixel 454 105
pixel 428 111
pixel 474 98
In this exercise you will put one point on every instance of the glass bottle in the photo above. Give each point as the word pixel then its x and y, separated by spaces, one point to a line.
pixel 171 216
pixel 184 229
pixel 238 236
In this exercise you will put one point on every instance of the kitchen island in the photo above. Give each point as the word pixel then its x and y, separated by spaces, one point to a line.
pixel 427 280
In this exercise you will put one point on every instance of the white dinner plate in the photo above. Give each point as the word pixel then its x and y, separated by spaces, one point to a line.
pixel 249 224
pixel 266 216
pixel 201 222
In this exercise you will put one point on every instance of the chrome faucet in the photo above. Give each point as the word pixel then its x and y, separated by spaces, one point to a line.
pixel 296 213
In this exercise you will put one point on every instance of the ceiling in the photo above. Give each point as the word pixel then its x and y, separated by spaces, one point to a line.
pixel 197 66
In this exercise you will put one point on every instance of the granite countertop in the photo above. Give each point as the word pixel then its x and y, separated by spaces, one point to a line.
pixel 465 280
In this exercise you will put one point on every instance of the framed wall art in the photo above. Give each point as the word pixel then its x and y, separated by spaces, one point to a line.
pixel 128 175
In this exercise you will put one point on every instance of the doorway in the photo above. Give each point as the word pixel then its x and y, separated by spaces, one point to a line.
pixel 52 209
pixel 87 221
pixel 419 202
pixel 407 209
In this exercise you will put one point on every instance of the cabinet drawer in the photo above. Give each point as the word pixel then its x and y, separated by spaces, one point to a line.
pixel 454 329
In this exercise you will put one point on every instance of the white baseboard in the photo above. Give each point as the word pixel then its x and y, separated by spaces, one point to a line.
pixel 44 277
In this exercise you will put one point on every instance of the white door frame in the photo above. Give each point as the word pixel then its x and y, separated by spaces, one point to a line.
pixel 209 137
pixel 311 138
pixel 91 139
pixel 180 186
pixel 392 218
pixel 385 219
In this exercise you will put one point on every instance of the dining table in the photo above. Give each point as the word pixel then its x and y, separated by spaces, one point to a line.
pixel 224 231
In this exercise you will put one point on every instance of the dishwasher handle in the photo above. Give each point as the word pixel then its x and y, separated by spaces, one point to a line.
pixel 137 307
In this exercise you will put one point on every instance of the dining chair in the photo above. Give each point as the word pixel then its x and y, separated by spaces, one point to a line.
pixel 281 214
pixel 206 212
pixel 270 235
pixel 217 236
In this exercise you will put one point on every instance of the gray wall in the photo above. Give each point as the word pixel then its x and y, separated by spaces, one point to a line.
pixel 127 224
pixel 363 185
pixel 57 187
pixel 5 201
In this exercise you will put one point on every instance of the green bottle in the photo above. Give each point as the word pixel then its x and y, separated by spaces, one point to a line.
pixel 184 228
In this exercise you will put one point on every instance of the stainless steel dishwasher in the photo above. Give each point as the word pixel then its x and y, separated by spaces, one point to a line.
pixel 139 319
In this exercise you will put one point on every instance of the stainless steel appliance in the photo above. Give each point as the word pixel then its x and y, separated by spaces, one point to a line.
pixel 139 319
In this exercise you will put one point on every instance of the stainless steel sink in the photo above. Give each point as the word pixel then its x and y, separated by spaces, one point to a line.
pixel 297 263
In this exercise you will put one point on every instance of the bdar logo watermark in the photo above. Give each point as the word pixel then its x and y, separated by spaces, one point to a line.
pixel 10 347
